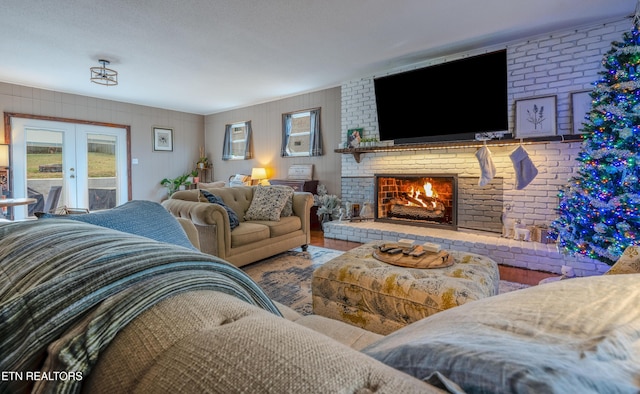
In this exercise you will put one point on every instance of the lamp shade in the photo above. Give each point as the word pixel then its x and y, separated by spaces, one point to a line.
pixel 258 173
pixel 4 155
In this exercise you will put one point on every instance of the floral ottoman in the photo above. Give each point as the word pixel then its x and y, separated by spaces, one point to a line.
pixel 359 289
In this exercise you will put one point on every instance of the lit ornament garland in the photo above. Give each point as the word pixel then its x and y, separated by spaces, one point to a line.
pixel 599 208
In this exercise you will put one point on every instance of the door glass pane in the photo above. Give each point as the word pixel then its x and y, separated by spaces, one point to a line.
pixel 102 171
pixel 44 170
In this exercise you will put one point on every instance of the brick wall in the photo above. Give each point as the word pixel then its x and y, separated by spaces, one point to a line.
pixel 555 64
pixel 479 208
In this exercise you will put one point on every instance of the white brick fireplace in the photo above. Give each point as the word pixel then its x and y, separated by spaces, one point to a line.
pixel 534 205
pixel 555 64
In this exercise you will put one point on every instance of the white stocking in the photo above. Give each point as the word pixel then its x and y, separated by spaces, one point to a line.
pixel 526 171
pixel 487 168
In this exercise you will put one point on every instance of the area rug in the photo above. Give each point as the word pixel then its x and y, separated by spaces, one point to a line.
pixel 286 277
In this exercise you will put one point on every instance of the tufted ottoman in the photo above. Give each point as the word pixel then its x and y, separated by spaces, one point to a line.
pixel 359 289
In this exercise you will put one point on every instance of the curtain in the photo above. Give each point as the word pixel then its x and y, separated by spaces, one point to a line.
pixel 226 146
pixel 315 143
pixel 248 154
pixel 286 130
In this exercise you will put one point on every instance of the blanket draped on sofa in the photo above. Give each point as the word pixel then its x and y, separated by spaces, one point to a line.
pixel 58 313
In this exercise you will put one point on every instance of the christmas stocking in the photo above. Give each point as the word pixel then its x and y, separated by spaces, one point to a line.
pixel 526 171
pixel 487 168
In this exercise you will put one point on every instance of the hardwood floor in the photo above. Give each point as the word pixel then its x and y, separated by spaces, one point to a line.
pixel 511 274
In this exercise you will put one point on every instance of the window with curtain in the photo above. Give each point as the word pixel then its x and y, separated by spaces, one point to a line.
pixel 237 141
pixel 301 133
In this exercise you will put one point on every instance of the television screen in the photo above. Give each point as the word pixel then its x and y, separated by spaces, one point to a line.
pixel 445 102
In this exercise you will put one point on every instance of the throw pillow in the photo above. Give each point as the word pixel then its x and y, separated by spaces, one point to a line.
pixel 628 263
pixel 213 199
pixel 267 203
pixel 204 185
pixel 288 206
pixel 145 218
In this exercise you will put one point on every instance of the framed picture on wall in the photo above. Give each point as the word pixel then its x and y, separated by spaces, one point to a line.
pixel 162 139
pixel 353 137
pixel 580 107
pixel 536 117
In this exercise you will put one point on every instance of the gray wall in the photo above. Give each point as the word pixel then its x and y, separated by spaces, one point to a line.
pixel 152 166
pixel 266 122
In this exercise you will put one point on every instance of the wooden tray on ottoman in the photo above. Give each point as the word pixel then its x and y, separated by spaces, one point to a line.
pixel 440 259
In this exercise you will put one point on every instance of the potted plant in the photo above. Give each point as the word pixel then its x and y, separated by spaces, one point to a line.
pixel 328 204
pixel 203 161
pixel 175 184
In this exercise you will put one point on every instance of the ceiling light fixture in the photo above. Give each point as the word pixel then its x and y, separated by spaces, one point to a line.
pixel 103 75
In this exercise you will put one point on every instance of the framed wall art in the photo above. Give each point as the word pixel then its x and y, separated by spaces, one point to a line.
pixel 353 137
pixel 300 172
pixel 580 107
pixel 162 139
pixel 536 117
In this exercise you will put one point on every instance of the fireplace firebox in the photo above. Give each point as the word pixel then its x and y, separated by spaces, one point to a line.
pixel 422 200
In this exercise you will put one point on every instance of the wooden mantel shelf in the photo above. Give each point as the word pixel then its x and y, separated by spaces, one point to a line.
pixel 358 152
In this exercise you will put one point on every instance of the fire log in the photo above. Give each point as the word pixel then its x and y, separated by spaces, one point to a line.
pixel 427 200
pixel 412 200
pixel 412 212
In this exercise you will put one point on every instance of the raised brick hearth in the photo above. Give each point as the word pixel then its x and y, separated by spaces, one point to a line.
pixel 529 255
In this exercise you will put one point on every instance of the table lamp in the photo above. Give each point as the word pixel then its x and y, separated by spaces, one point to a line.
pixel 259 176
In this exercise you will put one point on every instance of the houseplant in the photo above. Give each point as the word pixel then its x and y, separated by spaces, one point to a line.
pixel 328 204
pixel 203 161
pixel 174 184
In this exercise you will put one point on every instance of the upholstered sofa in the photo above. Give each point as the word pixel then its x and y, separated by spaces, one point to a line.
pixel 256 236
pixel 122 301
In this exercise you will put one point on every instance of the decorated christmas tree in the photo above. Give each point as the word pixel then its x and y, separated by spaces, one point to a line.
pixel 598 211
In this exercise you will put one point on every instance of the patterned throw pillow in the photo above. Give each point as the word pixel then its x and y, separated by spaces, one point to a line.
pixel 288 207
pixel 213 199
pixel 267 203
pixel 628 263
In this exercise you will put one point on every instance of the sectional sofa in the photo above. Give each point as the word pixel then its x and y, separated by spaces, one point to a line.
pixel 122 301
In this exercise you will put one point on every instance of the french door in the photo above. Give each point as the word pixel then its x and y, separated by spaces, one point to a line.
pixel 65 164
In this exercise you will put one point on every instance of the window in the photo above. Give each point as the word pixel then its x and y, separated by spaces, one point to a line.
pixel 301 134
pixel 237 141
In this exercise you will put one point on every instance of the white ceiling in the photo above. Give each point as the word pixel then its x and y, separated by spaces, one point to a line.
pixel 207 56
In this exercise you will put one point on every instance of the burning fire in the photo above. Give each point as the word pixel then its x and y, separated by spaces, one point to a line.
pixel 428 192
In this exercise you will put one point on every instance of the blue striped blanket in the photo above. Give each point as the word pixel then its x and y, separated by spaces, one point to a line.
pixel 67 288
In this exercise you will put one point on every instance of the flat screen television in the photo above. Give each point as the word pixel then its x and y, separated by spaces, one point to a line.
pixel 451 101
